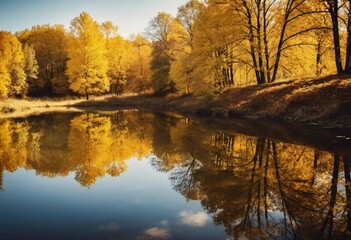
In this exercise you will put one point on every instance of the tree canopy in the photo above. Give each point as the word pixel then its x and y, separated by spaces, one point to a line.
pixel 207 47
pixel 87 65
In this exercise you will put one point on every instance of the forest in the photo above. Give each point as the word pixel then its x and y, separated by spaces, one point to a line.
pixel 208 47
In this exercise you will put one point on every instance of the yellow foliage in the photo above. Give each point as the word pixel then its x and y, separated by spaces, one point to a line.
pixel 49 43
pixel 12 75
pixel 13 145
pixel 119 56
pixel 87 65
pixel 139 72
pixel 90 144
pixel 4 79
pixel 98 146
pixel 253 42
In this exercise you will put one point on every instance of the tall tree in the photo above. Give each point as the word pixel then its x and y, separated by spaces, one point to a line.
pixel 160 31
pixel 341 10
pixel 348 43
pixel 181 67
pixel 87 65
pixel 218 33
pixel 258 41
pixel 49 43
pixel 5 78
pixel 333 9
pixel 118 56
pixel 139 72
pixel 13 77
pixel 31 65
pixel 272 28
pixel 186 16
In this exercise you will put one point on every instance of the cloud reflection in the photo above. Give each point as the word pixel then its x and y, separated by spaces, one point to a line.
pixel 157 232
pixel 198 219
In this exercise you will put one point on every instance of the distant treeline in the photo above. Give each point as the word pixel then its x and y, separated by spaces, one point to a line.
pixel 209 46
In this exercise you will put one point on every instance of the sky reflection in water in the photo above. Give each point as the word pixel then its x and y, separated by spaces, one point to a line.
pixel 134 175
pixel 136 205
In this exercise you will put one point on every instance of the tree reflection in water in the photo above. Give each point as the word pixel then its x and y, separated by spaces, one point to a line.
pixel 253 186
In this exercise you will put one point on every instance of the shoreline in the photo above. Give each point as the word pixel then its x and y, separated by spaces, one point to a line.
pixel 323 101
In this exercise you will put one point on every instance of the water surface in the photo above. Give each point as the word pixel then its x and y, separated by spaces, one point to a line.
pixel 137 175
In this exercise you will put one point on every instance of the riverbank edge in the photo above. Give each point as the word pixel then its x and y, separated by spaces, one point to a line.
pixel 321 101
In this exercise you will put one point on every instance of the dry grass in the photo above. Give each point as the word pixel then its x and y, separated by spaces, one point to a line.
pixel 323 100
pixel 22 108
pixel 305 100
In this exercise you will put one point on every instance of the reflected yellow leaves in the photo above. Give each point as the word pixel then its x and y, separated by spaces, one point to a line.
pixel 250 185
pixel 13 141
pixel 90 142
pixel 99 146
pixel 89 145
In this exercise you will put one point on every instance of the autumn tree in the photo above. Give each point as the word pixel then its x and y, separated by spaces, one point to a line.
pixel 87 65
pixel 4 78
pixel 215 46
pixel 31 65
pixel 49 44
pixel 117 53
pixel 5 53
pixel 240 42
pixel 272 27
pixel 139 72
pixel 181 70
pixel 186 16
pixel 340 16
pixel 160 31
pixel 13 77
pixel 119 58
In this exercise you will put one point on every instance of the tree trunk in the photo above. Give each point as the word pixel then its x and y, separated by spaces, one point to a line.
pixel 348 45
pixel 266 183
pixel 333 10
pixel 231 74
pixel 259 42
pixel 348 190
pixel 265 42
pixel 333 194
pixel 86 94
pixel 252 41
pixel 318 59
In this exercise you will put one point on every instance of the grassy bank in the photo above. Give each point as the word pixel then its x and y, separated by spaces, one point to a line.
pixel 24 107
pixel 325 101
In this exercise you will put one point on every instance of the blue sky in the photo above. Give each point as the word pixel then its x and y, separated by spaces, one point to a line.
pixel 131 16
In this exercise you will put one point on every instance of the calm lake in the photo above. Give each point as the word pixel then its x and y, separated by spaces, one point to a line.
pixel 139 175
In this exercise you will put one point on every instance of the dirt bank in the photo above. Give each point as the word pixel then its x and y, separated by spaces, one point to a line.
pixel 323 101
